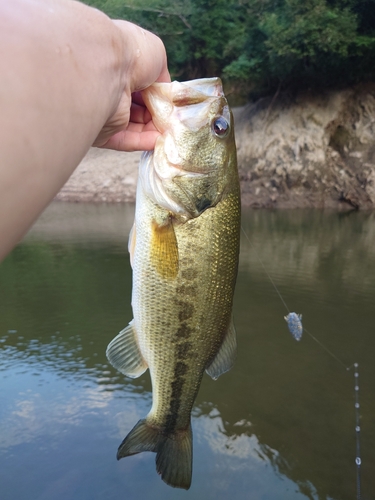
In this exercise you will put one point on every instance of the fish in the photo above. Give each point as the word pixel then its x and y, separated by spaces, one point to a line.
pixel 294 321
pixel 184 250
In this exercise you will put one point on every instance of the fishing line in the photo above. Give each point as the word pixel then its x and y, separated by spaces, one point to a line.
pixel 358 460
pixel 296 317
pixel 294 322
pixel 265 270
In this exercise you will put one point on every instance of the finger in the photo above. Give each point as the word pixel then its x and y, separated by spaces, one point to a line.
pixel 151 65
pixel 139 114
pixel 141 127
pixel 118 140
pixel 137 98
pixel 164 75
pixel 132 140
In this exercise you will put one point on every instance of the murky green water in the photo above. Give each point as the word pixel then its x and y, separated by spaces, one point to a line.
pixel 280 425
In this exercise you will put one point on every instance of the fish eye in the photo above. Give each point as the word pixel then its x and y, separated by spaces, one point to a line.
pixel 220 127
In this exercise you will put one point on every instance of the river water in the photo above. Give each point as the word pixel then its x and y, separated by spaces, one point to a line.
pixel 280 425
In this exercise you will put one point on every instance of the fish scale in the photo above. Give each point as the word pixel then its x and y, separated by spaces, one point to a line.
pixel 184 250
pixel 203 322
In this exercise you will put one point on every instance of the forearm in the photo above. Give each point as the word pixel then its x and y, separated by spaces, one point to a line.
pixel 64 69
pixel 56 60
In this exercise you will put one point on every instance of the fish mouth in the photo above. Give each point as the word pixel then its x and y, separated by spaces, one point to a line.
pixel 197 91
pixel 187 102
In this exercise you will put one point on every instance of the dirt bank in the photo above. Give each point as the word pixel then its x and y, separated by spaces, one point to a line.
pixel 293 151
pixel 103 175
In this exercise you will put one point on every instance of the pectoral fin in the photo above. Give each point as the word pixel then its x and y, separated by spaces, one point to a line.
pixel 123 353
pixel 131 243
pixel 226 356
pixel 164 250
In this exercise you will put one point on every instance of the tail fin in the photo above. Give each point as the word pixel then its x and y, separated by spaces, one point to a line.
pixel 174 459
pixel 174 453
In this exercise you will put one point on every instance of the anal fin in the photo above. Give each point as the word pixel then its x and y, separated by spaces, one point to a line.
pixel 124 354
pixel 226 356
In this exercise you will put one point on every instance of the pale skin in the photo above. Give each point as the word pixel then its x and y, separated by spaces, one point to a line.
pixel 69 80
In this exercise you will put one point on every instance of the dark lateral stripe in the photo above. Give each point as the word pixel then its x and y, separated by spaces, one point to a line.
pixel 184 331
pixel 177 386
pixel 183 349
pixel 186 311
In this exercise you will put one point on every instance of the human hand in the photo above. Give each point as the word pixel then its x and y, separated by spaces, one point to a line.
pixel 130 127
pixel 69 78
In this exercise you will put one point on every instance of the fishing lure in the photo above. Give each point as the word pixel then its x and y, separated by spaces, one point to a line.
pixel 294 321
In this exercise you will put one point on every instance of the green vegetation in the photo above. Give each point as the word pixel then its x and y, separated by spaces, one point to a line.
pixel 258 46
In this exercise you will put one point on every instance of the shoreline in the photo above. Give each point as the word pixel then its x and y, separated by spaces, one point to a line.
pixel 300 151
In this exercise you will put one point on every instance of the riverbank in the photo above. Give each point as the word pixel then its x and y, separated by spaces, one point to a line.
pixel 294 151
pixel 103 176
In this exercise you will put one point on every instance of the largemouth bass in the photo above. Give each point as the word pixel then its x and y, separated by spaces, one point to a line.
pixel 184 249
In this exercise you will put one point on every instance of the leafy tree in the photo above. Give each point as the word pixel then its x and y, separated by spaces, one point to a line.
pixel 260 45
pixel 302 43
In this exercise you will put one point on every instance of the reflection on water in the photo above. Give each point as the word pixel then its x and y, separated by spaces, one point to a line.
pixel 280 425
